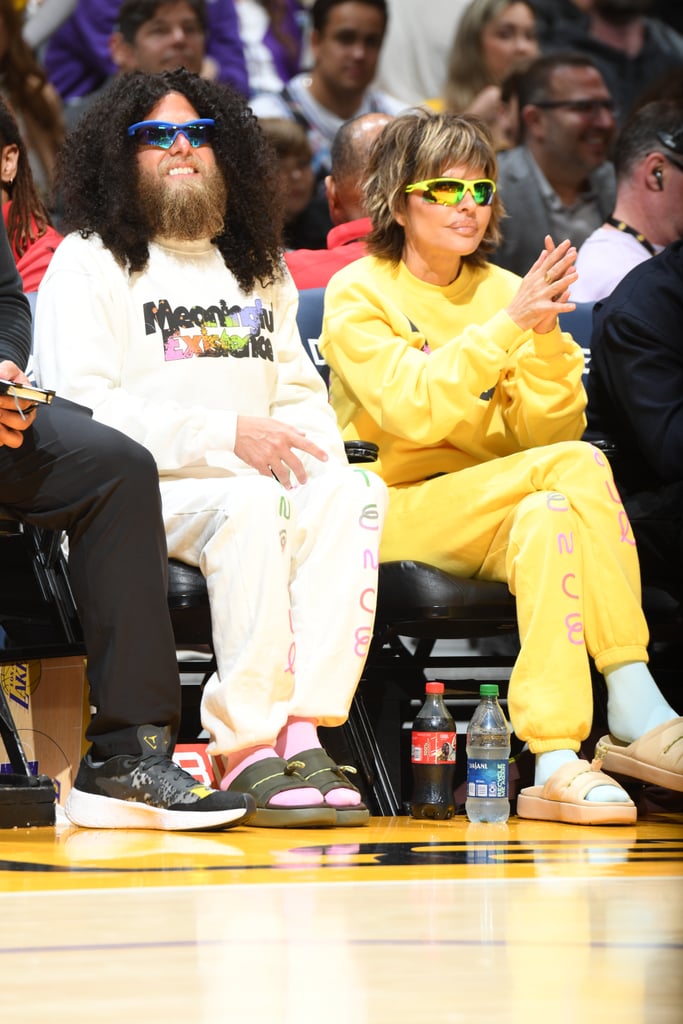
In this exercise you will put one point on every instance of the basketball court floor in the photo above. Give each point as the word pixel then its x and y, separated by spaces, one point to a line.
pixel 400 921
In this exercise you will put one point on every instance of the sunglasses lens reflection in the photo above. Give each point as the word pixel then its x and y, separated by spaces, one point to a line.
pixel 163 136
pixel 448 193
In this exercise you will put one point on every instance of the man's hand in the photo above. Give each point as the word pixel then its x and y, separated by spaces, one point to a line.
pixel 12 422
pixel 268 446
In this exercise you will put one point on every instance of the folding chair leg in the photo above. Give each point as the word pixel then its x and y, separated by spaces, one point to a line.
pixel 10 737
pixel 25 800
pixel 361 738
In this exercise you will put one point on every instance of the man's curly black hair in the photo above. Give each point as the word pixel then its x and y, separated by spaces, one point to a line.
pixel 98 174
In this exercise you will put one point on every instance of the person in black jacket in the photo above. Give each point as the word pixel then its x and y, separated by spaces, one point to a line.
pixel 62 470
pixel 635 397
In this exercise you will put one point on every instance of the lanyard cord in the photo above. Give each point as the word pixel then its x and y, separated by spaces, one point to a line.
pixel 621 225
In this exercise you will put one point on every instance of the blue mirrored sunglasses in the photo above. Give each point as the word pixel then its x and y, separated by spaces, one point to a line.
pixel 450 191
pixel 162 134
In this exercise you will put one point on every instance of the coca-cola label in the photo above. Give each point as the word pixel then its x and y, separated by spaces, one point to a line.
pixel 432 748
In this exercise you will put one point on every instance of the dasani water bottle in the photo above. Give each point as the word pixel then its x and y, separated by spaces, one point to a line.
pixel 488 756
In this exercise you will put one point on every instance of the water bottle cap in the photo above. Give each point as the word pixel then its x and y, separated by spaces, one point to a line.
pixel 434 688
pixel 488 689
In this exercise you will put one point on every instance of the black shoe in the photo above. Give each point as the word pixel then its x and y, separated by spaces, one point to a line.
pixel 151 791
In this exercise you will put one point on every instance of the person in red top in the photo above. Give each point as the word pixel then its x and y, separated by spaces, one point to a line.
pixel 31 235
pixel 312 268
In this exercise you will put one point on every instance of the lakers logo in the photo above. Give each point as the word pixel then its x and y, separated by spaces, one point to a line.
pixel 20 682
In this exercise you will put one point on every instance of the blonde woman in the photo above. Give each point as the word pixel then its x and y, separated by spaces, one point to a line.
pixel 459 372
pixel 494 39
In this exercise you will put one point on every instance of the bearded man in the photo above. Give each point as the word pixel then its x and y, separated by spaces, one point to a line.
pixel 172 314
pixel 634 51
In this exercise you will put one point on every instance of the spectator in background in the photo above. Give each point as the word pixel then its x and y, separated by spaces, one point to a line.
pixel 35 104
pixel 78 58
pixel 648 214
pixel 509 121
pixel 32 238
pixel 345 42
pixel 631 49
pixel 41 20
pixel 553 16
pixel 494 39
pixel 344 186
pixel 160 35
pixel 307 219
pixel 272 36
pixel 635 397
pixel 559 181
pixel 414 58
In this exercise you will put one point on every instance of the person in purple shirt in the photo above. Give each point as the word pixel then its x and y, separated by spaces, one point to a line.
pixel 272 33
pixel 78 59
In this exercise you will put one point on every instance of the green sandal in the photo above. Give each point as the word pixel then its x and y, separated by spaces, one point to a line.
pixel 272 775
pixel 318 769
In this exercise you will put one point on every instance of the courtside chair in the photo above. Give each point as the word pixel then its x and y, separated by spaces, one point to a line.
pixel 579 323
pixel 309 320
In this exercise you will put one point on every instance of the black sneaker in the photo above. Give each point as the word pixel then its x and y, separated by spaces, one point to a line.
pixel 151 791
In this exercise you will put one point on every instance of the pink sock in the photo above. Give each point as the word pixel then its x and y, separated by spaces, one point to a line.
pixel 301 734
pixel 306 796
pixel 298 734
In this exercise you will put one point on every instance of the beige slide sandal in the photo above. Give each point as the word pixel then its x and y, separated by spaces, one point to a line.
pixel 657 757
pixel 563 798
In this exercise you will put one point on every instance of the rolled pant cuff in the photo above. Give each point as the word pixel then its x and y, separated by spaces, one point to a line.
pixel 537 746
pixel 620 656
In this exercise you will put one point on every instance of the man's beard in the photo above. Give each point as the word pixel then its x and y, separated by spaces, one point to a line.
pixel 186 210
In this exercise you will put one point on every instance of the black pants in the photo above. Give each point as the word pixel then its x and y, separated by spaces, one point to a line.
pixel 74 474
pixel 657 520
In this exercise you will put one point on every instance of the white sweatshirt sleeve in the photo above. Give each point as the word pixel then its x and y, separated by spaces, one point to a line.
pixel 83 344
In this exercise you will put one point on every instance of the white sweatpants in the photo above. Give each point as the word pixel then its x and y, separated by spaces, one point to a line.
pixel 292 582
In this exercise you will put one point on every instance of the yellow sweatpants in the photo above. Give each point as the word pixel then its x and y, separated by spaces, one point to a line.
pixel 550 523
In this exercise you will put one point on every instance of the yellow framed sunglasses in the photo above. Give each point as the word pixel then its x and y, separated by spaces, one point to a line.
pixel 451 191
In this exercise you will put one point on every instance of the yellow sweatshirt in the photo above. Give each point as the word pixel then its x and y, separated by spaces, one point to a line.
pixel 442 378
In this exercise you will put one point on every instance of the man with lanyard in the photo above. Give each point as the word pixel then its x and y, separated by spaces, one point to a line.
pixel 648 214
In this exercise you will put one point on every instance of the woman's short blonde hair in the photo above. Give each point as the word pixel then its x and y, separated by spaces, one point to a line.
pixel 417 146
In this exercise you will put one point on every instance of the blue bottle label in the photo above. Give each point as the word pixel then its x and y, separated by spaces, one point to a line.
pixel 486 779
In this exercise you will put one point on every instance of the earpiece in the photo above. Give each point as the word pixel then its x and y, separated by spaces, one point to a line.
pixel 658 178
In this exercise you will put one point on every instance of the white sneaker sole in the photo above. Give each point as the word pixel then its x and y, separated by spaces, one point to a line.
pixel 90 811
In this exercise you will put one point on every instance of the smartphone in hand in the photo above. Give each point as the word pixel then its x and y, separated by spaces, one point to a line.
pixel 26 392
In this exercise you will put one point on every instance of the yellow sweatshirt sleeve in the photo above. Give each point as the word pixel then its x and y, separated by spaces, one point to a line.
pixel 435 366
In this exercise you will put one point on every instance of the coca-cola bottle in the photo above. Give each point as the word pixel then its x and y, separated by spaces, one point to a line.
pixel 433 757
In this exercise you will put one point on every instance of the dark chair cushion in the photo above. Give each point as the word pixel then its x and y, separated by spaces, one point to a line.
pixel 186 585
pixel 417 595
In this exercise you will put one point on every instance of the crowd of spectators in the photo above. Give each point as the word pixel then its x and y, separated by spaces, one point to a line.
pixel 321 63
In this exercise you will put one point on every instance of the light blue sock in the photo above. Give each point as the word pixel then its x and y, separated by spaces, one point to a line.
pixel 547 763
pixel 634 702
